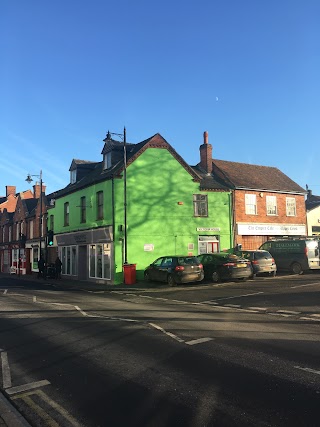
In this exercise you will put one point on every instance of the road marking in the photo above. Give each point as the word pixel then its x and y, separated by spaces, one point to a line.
pixel 198 341
pixel 81 311
pixel 25 387
pixel 288 312
pixel 5 291
pixel 309 318
pixel 208 302
pixel 26 397
pixel 34 299
pixel 302 286
pixel 161 299
pixel 240 296
pixel 6 374
pixel 258 308
pixel 280 314
pixel 315 315
pixel 166 332
pixel 313 371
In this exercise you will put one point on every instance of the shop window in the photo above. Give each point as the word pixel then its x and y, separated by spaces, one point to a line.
pixel 99 261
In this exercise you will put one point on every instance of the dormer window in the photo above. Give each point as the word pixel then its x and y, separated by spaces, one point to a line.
pixel 107 160
pixel 73 176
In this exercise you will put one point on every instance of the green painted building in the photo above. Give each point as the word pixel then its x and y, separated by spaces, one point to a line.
pixel 167 206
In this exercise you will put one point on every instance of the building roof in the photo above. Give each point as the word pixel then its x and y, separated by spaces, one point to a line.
pixel 254 177
pixel 98 173
pixel 312 202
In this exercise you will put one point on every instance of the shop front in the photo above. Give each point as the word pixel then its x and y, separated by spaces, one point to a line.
pixel 253 235
pixel 208 243
pixel 87 255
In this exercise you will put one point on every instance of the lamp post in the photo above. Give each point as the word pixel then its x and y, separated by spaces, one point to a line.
pixel 29 180
pixel 123 136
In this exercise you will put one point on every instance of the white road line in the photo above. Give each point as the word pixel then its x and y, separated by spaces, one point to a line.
pixel 288 312
pixel 198 341
pixel 161 299
pixel 208 302
pixel 310 318
pixel 240 296
pixel 181 302
pixel 81 311
pixel 313 371
pixel 25 387
pixel 165 332
pixel 34 299
pixel 6 374
pixel 302 286
pixel 315 315
pixel 258 308
pixel 280 314
pixel 5 291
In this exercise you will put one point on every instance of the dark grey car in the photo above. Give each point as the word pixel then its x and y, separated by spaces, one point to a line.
pixel 175 269
pixel 262 261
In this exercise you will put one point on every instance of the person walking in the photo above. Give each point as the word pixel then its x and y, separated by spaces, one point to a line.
pixel 58 266
pixel 41 267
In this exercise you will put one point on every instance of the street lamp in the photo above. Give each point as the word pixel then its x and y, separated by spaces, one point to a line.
pixel 29 180
pixel 123 136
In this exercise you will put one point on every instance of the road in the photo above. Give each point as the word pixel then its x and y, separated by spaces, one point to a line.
pixel 238 353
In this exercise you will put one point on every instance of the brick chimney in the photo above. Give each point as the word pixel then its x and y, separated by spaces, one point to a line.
pixel 36 190
pixel 206 154
pixel 10 189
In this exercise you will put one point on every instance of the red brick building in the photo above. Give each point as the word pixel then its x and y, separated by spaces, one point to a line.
pixel 266 203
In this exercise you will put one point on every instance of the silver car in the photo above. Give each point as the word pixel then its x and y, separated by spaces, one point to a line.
pixel 262 262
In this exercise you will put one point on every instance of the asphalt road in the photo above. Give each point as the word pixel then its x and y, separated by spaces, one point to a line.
pixel 233 354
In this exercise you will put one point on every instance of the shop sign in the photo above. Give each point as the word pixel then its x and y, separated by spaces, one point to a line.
pixel 149 247
pixel 272 229
pixel 208 229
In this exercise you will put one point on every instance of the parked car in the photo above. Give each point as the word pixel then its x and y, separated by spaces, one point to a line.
pixel 225 266
pixel 175 269
pixel 262 262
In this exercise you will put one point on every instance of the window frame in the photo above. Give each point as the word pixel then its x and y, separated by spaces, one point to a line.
pixel 271 205
pixel 99 205
pixel 107 160
pixel 288 207
pixel 253 197
pixel 66 214
pixel 83 210
pixel 200 205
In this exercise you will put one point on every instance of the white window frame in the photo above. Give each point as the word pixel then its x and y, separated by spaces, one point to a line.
pixel 271 205
pixel 73 176
pixel 251 204
pixel 291 210
pixel 107 160
pixel 200 205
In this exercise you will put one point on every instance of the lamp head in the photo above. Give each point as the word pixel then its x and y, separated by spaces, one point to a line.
pixel 29 179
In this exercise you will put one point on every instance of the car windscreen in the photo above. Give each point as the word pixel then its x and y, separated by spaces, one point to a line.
pixel 262 255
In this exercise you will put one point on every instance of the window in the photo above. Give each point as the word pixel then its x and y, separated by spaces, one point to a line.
pixel 200 204
pixel 99 261
pixel 73 176
pixel 100 205
pixel 83 209
pixel 51 219
pixel 271 202
pixel 107 160
pixel 251 204
pixel 31 229
pixel 66 214
pixel 291 206
pixel 68 256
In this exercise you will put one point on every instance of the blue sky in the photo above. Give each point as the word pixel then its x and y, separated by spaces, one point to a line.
pixel 245 71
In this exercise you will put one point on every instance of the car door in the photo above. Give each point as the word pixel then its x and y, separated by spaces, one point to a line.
pixel 166 268
pixel 154 269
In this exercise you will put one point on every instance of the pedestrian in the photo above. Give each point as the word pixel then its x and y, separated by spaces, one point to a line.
pixel 41 267
pixel 58 266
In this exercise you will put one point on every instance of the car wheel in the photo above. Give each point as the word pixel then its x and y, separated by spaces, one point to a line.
pixel 171 281
pixel 215 277
pixel 296 268
pixel 147 276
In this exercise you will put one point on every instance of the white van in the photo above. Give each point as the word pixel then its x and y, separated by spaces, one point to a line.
pixel 295 255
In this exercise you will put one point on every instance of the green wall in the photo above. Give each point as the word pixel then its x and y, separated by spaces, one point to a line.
pixel 156 182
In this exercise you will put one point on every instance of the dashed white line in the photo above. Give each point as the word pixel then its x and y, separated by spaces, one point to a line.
pixel 198 341
pixel 288 312
pixel 81 311
pixel 302 286
pixel 313 371
pixel 310 318
pixel 240 296
pixel 6 374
